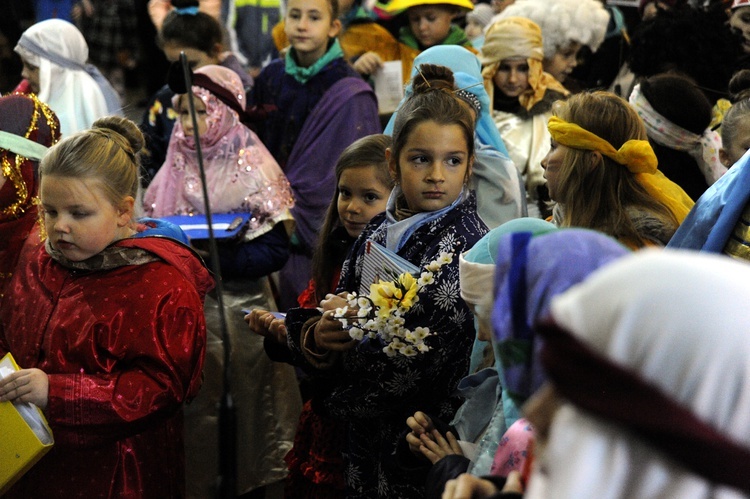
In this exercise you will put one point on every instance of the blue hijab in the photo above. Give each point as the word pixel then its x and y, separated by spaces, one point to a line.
pixel 467 72
pixel 530 272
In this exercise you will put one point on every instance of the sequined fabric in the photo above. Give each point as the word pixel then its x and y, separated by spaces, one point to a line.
pixel 25 116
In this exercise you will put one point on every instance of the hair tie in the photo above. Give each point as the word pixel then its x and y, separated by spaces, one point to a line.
pixel 187 11
pixel 470 99
pixel 636 155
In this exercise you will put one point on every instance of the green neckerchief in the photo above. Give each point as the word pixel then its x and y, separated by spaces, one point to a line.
pixel 456 36
pixel 301 74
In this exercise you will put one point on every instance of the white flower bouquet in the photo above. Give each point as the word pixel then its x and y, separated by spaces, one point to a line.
pixel 380 315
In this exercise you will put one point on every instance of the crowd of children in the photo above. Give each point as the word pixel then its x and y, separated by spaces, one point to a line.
pixel 500 295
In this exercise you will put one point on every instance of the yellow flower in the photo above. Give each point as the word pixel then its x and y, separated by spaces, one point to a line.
pixel 388 295
pixel 409 284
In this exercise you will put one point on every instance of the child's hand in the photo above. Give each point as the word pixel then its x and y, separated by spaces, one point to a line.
pixel 332 302
pixel 329 335
pixel 26 385
pixel 435 447
pixel 368 63
pixel 419 424
pixel 266 324
pixel 468 487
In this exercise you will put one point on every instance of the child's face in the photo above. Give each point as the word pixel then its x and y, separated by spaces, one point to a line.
pixel 512 77
pixel 740 22
pixel 433 166
pixel 563 62
pixel 183 108
pixel 196 58
pixel 430 24
pixel 31 74
pixel 472 30
pixel 361 196
pixel 309 26
pixel 737 148
pixel 552 163
pixel 80 220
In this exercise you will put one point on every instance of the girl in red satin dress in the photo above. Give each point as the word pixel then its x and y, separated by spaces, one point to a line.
pixel 105 317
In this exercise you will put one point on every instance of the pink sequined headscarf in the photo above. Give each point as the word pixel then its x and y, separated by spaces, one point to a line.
pixel 242 175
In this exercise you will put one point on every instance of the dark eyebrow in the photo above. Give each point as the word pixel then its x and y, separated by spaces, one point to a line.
pixel 428 152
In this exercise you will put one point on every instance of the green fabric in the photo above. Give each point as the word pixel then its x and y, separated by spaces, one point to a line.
pixel 456 36
pixel 301 74
pixel 23 146
pixel 356 14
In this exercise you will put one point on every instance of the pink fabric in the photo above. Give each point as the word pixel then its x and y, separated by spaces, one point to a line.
pixel 242 175
pixel 514 449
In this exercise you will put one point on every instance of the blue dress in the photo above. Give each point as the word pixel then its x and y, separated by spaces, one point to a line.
pixel 373 393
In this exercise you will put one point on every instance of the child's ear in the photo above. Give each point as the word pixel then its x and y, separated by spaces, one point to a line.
pixel 335 28
pixel 391 160
pixel 469 168
pixel 595 159
pixel 724 158
pixel 125 211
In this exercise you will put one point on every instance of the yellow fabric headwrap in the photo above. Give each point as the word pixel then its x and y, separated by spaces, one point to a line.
pixel 517 37
pixel 635 155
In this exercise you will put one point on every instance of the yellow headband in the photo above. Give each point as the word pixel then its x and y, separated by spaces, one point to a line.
pixel 635 155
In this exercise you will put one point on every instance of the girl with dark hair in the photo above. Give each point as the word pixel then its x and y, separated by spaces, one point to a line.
pixel 677 115
pixel 377 381
pixel 316 469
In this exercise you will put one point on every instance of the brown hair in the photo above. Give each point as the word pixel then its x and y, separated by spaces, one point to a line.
pixel 598 193
pixel 200 31
pixel 433 99
pixel 333 6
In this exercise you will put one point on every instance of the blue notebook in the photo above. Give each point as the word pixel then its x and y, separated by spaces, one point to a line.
pixel 225 225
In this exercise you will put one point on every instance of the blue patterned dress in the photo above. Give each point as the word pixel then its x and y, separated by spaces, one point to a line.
pixel 374 394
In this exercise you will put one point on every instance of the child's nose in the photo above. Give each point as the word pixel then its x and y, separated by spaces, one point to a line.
pixel 61 226
pixel 436 173
pixel 353 206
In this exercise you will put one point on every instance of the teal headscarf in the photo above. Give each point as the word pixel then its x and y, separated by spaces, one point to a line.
pixel 467 72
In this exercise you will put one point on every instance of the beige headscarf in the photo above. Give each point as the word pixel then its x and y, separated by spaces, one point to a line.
pixel 517 37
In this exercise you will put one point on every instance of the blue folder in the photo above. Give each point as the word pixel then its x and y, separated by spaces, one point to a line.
pixel 225 225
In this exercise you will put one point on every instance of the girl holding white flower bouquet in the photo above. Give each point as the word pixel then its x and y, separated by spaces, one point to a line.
pixel 363 185
pixel 406 343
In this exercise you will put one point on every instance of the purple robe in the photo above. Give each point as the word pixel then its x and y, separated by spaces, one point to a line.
pixel 346 112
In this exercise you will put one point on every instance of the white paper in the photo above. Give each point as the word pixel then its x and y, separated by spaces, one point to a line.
pixel 29 412
pixel 389 86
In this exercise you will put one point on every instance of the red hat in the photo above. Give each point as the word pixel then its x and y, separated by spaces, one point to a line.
pixel 736 4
